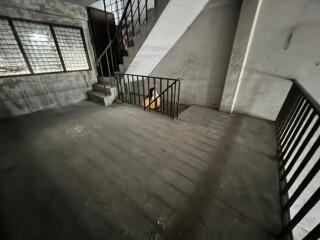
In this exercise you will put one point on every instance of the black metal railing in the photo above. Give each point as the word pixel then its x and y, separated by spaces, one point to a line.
pixel 106 65
pixel 152 93
pixel 116 7
pixel 134 14
pixel 298 141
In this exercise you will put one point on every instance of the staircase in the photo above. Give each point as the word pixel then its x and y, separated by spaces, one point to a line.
pixel 104 91
pixel 136 23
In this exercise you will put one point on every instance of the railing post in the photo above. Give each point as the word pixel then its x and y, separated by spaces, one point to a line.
pixel 144 96
pixel 108 65
pixel 139 13
pixel 126 26
pixel 178 110
pixel 167 97
pixel 129 88
pixel 118 87
pixel 131 18
pixel 174 99
pixel 161 98
pixel 134 90
pixel 138 85
pixel 146 11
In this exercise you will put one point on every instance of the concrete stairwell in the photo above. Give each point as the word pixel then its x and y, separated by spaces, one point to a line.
pixel 143 32
pixel 104 91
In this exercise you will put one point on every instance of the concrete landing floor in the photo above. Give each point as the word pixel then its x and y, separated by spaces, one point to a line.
pixel 90 172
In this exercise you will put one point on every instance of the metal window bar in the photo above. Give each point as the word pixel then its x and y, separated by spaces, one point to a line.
pixel 32 54
pixel 135 90
pixel 296 135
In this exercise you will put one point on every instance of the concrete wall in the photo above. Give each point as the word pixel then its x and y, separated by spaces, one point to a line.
pixel 201 56
pixel 25 94
pixel 285 44
pixel 173 22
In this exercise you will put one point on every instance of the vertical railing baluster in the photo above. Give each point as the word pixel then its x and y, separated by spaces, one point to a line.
pixel 146 11
pixel 118 87
pixel 156 103
pixel 120 80
pixel 290 115
pixel 291 121
pixel 167 96
pixel 296 126
pixel 132 22
pixel 101 69
pixel 296 141
pixel 125 88
pixel 112 63
pixel 139 13
pixel 144 96
pixel 138 86
pixel 161 103
pixel 171 106
pixel 174 99
pixel 126 26
pixel 134 90
pixel 178 104
pixel 129 88
pixel 148 86
pixel 108 66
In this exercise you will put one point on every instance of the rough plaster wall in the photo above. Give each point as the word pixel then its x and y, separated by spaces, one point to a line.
pixel 201 56
pixel 25 94
pixel 173 22
pixel 273 54
pixel 285 44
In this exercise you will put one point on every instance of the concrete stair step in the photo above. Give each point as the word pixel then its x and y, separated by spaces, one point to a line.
pixel 100 87
pixel 111 81
pixel 100 97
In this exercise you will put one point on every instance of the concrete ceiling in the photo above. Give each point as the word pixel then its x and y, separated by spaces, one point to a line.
pixel 84 3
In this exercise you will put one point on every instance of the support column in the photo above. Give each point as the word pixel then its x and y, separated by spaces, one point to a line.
pixel 241 47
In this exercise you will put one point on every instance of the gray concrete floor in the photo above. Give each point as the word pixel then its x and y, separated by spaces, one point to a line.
pixel 90 172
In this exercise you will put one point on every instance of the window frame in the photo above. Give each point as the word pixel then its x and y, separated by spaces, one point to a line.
pixel 51 26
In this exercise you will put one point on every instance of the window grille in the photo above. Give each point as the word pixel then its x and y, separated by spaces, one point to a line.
pixel 72 48
pixel 28 47
pixel 11 58
pixel 39 45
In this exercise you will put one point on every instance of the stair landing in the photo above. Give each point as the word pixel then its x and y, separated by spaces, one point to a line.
pixel 88 172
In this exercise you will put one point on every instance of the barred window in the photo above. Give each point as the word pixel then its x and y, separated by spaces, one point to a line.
pixel 12 61
pixel 28 47
pixel 72 48
pixel 39 45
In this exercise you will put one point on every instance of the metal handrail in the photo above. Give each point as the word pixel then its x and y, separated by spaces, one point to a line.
pixel 163 92
pixel 122 39
pixel 105 50
pixel 128 25
pixel 132 89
